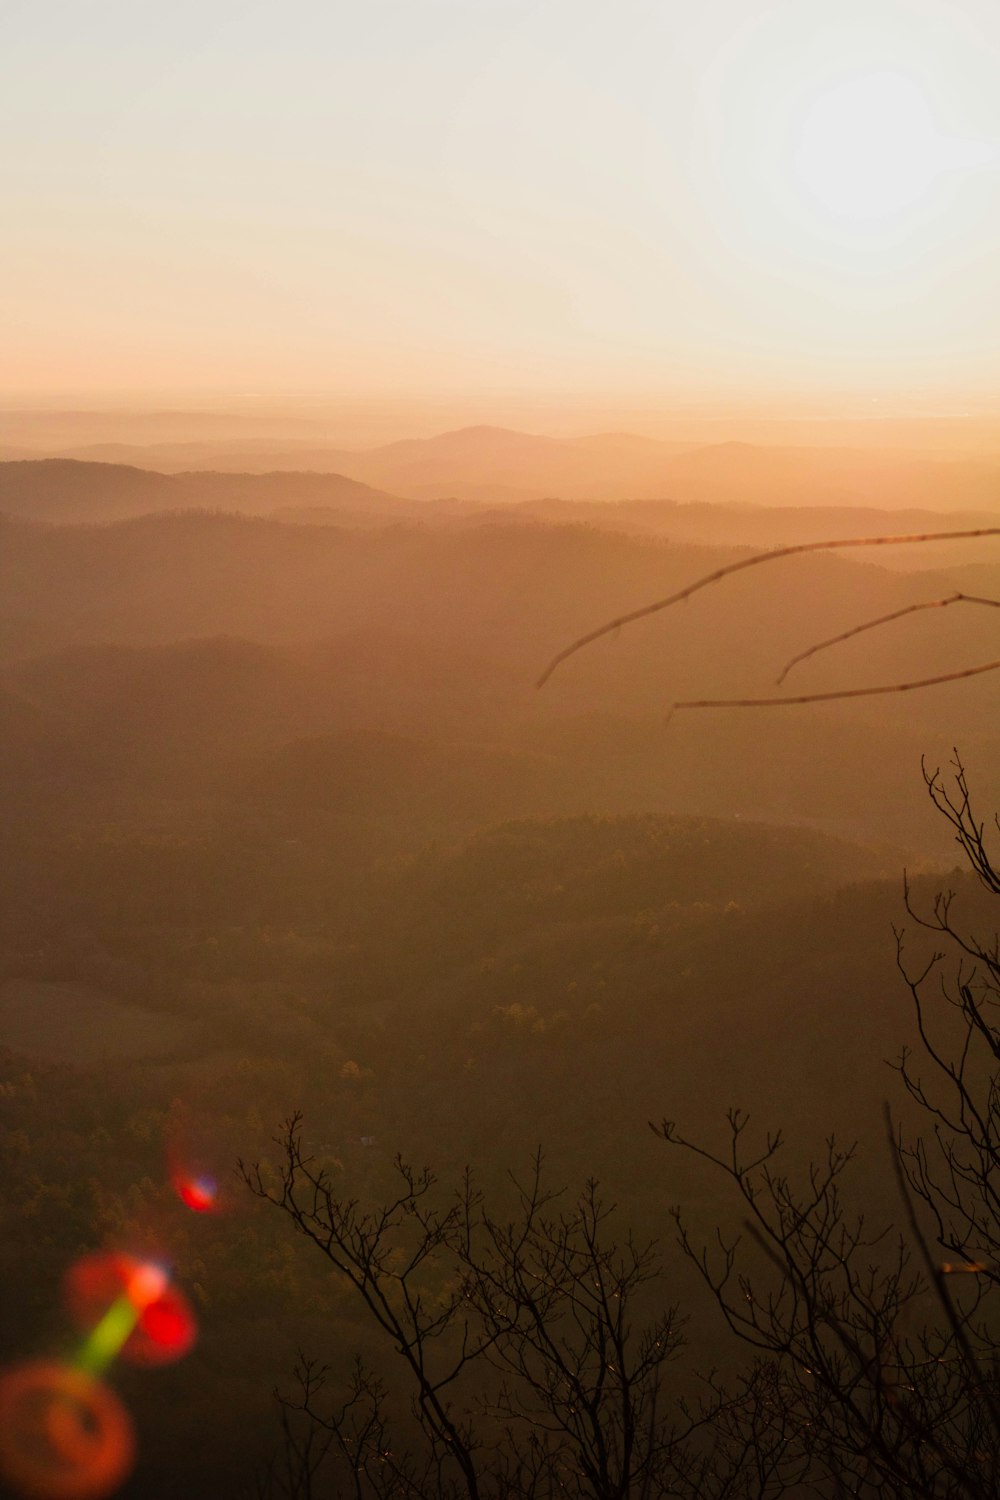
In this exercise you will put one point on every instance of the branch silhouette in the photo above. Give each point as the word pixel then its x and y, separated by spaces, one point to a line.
pixel 868 692
pixel 756 560
pixel 897 614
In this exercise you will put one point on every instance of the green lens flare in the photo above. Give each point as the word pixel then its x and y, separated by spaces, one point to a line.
pixel 108 1337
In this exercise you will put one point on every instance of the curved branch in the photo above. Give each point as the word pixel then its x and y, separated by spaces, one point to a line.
pixel 752 562
pixel 897 614
pixel 869 692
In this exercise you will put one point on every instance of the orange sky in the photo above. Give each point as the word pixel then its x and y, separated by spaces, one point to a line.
pixel 561 205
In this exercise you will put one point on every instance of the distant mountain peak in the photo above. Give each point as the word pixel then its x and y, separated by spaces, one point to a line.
pixel 483 429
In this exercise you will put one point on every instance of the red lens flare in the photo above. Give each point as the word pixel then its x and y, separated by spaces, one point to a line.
pixel 165 1327
pixel 196 1158
pixel 63 1435
pixel 197 1193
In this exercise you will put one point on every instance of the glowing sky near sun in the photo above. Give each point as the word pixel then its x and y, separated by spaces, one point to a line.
pixel 644 196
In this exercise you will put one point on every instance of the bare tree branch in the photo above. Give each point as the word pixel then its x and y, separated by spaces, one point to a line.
pixel 868 692
pixel 897 614
pixel 753 561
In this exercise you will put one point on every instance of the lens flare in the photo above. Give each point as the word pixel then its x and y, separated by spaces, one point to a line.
pixel 197 1193
pixel 193 1162
pixel 128 1307
pixel 63 1434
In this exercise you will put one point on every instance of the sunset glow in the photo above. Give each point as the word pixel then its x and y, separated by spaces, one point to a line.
pixel 462 203
pixel 415 785
pixel 870 149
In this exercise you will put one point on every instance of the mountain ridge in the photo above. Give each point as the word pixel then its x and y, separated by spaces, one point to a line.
pixel 494 464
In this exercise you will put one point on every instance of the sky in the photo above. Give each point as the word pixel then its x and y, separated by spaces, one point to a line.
pixel 464 201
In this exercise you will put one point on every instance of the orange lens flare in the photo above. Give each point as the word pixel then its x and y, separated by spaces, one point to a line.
pixel 63 1435
pixel 163 1328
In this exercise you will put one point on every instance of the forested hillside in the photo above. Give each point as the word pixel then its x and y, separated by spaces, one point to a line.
pixel 111 638
pixel 287 826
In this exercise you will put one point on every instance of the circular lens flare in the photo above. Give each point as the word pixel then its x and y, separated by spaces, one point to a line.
pixel 63 1434
pixel 128 1306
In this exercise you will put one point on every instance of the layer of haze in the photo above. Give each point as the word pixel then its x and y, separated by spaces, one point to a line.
pixel 357 359
pixel 473 207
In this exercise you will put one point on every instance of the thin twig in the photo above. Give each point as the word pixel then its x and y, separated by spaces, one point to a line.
pixel 897 614
pixel 868 692
pixel 978 1381
pixel 752 562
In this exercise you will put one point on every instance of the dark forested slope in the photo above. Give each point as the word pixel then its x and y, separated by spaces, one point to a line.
pixel 285 797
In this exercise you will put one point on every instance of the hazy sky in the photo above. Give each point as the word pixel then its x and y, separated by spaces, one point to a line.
pixel 634 198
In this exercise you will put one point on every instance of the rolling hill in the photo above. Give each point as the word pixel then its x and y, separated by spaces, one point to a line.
pixel 62 489
pixel 496 465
